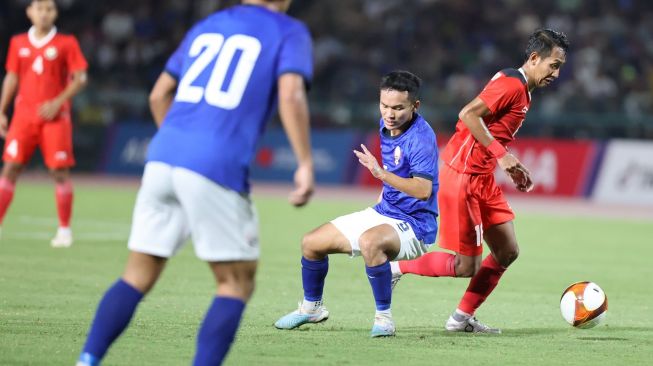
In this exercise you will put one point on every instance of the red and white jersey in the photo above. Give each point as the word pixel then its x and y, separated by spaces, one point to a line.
pixel 508 99
pixel 44 67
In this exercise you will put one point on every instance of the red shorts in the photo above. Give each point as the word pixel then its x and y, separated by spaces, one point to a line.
pixel 469 204
pixel 53 137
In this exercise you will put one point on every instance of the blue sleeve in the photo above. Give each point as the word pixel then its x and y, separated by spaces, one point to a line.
pixel 424 157
pixel 175 64
pixel 296 54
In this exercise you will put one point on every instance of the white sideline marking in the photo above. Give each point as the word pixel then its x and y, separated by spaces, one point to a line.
pixel 76 236
pixel 53 221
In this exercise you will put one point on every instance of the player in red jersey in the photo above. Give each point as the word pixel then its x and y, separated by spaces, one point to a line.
pixel 47 69
pixel 472 207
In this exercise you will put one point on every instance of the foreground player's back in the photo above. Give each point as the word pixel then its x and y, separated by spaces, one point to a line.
pixel 227 69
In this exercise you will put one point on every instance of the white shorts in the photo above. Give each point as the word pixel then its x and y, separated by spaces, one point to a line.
pixel 352 226
pixel 174 204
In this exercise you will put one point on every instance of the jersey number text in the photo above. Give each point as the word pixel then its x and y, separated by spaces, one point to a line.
pixel 212 46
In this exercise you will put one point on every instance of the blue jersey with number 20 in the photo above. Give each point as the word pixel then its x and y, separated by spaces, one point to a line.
pixel 227 69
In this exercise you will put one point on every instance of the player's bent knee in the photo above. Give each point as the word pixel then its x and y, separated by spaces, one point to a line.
pixel 11 171
pixel 368 245
pixel 465 271
pixel 314 246
pixel 509 256
pixel 308 246
pixel 467 266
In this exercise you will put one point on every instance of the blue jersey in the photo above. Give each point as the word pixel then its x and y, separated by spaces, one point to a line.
pixel 227 69
pixel 414 153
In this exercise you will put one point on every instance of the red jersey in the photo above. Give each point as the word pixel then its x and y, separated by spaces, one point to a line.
pixel 44 67
pixel 508 99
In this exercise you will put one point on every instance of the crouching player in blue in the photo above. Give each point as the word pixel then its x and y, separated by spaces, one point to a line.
pixel 211 103
pixel 403 223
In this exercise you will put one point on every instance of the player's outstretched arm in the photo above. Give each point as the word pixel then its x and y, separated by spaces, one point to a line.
pixel 472 116
pixel 293 110
pixel 161 97
pixel 50 109
pixel 9 87
pixel 417 187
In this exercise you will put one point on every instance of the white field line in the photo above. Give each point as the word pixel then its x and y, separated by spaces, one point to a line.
pixel 42 235
pixel 76 222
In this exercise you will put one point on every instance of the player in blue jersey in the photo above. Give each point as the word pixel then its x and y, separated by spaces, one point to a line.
pixel 211 104
pixel 403 223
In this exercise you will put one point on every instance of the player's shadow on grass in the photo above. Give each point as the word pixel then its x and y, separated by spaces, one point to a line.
pixel 420 332
pixel 598 334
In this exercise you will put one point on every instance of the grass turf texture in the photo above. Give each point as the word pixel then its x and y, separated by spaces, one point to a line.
pixel 48 296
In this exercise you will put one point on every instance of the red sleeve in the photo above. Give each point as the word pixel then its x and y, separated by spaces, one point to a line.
pixel 12 57
pixel 500 92
pixel 75 59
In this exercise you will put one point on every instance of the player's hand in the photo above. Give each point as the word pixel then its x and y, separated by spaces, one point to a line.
pixel 4 124
pixel 50 109
pixel 304 186
pixel 368 160
pixel 518 173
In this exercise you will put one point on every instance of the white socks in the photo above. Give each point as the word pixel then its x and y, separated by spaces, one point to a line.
pixel 387 314
pixel 460 315
pixel 310 306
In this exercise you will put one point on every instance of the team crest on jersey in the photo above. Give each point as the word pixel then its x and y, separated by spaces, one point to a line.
pixel 51 53
pixel 24 52
pixel 397 155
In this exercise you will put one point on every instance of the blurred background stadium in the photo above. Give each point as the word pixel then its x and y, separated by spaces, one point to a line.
pixel 604 92
pixel 588 141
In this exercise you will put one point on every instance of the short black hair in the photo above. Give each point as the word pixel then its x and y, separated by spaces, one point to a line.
pixel 402 81
pixel 544 40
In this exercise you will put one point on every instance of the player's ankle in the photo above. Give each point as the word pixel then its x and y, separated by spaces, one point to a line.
pixel 309 306
pixel 460 315
pixel 387 314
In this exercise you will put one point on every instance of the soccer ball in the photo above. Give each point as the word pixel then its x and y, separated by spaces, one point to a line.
pixel 584 304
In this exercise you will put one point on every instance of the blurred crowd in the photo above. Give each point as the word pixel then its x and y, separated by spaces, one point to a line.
pixel 454 45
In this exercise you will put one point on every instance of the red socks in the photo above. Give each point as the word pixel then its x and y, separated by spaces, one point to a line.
pixel 6 195
pixel 63 194
pixel 481 285
pixel 64 197
pixel 434 264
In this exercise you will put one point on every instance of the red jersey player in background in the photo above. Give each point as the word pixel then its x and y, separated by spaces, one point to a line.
pixel 47 68
pixel 472 207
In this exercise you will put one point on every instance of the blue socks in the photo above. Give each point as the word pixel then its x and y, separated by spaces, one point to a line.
pixel 112 317
pixel 380 279
pixel 117 308
pixel 218 330
pixel 313 275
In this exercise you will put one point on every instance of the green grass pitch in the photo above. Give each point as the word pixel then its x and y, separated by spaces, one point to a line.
pixel 48 296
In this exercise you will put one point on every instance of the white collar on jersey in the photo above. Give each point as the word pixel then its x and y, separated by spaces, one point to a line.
pixel 38 43
pixel 525 78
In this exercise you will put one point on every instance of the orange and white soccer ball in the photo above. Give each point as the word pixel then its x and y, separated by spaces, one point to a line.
pixel 584 304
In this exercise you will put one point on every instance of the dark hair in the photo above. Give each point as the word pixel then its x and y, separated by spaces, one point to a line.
pixel 544 40
pixel 402 81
